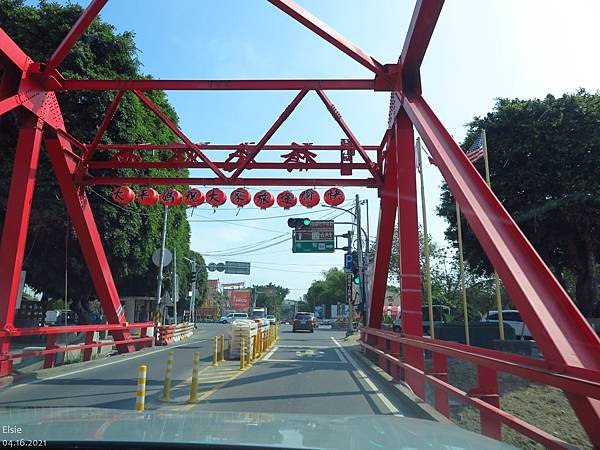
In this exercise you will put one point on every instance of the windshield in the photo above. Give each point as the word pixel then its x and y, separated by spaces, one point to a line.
pixel 226 223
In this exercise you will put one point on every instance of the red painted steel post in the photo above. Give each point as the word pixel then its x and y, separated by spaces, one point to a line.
pixel 89 339
pixel 440 370
pixel 50 345
pixel 408 228
pixel 16 223
pixel 388 204
pixel 395 351
pixel 83 221
pixel 488 391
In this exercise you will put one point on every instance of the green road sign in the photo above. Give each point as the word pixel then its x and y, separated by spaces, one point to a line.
pixel 313 247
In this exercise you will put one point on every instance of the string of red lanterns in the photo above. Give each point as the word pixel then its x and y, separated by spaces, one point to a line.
pixel 215 197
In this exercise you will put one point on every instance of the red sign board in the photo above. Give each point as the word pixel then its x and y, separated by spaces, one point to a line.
pixel 240 299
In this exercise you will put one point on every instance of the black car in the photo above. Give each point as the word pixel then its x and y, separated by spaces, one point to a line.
pixel 304 321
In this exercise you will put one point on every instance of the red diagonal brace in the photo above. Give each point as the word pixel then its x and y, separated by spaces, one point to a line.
pixel 13 52
pixel 74 34
pixel 419 33
pixel 329 34
pixel 110 112
pixel 152 107
pixel 282 118
pixel 344 126
pixel 10 103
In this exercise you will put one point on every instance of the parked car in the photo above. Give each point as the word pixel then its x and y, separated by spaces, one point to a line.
pixel 510 317
pixel 272 319
pixel 304 321
pixel 233 316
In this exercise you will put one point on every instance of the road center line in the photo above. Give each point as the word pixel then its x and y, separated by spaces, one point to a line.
pixel 363 377
pixel 268 355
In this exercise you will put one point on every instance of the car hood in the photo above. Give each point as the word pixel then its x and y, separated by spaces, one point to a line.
pixel 235 428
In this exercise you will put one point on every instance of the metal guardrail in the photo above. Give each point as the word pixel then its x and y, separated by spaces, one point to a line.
pixel 391 347
pixel 167 334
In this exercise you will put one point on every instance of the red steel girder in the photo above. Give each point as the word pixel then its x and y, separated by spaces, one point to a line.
pixel 80 211
pixel 151 181
pixel 82 24
pixel 419 34
pixel 329 34
pixel 228 147
pixel 146 101
pixel 344 126
pixel 270 132
pixel 217 85
pixel 16 223
pixel 13 52
pixel 385 233
pixel 562 333
pixel 223 165
pixel 408 238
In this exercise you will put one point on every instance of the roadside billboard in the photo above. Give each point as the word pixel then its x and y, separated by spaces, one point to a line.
pixel 240 299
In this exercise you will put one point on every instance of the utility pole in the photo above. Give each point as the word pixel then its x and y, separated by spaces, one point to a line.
pixel 349 282
pixel 160 265
pixel 194 277
pixel 175 285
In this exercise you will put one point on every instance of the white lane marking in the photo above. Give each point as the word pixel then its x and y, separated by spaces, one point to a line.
pixel 340 356
pixel 268 355
pixel 303 346
pixel 308 361
pixel 363 377
pixel 41 380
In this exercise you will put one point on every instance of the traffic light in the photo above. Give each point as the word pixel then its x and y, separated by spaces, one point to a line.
pixel 193 277
pixel 355 269
pixel 298 223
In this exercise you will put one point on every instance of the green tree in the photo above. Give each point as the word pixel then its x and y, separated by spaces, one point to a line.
pixel 329 291
pixel 545 169
pixel 270 296
pixel 130 234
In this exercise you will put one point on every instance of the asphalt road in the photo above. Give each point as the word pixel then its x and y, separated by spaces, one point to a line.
pixel 111 382
pixel 304 373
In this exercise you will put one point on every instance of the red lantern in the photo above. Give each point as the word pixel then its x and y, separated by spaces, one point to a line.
pixel 147 196
pixel 309 198
pixel 123 195
pixel 263 199
pixel 240 197
pixel 171 197
pixel 193 198
pixel 215 197
pixel 286 200
pixel 334 196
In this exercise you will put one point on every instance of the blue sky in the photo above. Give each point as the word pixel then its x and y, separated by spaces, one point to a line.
pixel 480 51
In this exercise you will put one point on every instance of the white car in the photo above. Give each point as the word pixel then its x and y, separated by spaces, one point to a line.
pixel 233 316
pixel 272 319
pixel 511 317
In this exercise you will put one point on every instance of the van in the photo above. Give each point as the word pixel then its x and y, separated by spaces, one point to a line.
pixel 228 318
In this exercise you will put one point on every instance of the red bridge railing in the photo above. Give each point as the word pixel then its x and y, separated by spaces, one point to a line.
pixel 391 347
pixel 89 344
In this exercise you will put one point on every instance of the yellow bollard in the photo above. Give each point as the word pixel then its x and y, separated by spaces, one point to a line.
pixel 167 386
pixel 222 348
pixel 254 348
pixel 194 387
pixel 248 353
pixel 140 393
pixel 242 358
pixel 216 352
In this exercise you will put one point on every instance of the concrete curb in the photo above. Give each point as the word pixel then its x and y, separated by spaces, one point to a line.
pixel 402 392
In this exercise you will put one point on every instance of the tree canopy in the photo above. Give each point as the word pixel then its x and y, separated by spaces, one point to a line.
pixel 270 296
pixel 130 234
pixel 544 158
pixel 331 290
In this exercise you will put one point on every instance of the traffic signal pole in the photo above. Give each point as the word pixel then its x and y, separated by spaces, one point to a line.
pixel 349 282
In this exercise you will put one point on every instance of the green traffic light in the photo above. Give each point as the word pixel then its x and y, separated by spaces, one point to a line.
pixel 306 222
pixel 356 280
